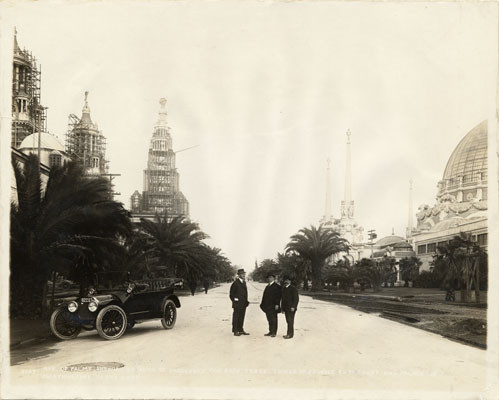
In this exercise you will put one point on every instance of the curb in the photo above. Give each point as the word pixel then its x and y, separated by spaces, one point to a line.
pixel 354 295
pixel 454 338
pixel 30 341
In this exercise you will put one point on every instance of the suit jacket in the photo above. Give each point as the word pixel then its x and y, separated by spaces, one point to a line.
pixel 289 298
pixel 239 291
pixel 271 298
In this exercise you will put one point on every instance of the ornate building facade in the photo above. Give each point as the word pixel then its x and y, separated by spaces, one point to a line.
pixel 28 115
pixel 86 143
pixel 461 198
pixel 161 193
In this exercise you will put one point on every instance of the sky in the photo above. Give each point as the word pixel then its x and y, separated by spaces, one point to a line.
pixel 267 91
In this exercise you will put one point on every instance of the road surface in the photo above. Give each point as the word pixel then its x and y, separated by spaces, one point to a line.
pixel 336 352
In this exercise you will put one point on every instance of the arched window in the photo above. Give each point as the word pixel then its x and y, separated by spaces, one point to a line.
pixel 55 160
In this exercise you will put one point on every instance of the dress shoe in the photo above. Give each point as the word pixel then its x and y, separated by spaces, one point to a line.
pixel 288 337
pixel 244 333
pixel 268 334
pixel 272 335
pixel 237 333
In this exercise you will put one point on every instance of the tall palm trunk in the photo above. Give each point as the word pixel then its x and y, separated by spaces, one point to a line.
pixel 317 266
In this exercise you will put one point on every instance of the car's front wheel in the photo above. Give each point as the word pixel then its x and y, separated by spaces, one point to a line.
pixel 169 311
pixel 111 322
pixel 62 326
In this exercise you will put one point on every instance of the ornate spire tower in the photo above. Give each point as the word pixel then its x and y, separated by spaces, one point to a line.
pixel 347 206
pixel 28 115
pixel 86 143
pixel 161 192
pixel 348 228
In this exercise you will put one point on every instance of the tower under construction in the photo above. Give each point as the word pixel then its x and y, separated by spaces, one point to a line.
pixel 28 115
pixel 85 143
pixel 161 192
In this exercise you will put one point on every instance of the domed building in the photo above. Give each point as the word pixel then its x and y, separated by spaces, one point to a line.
pixel 51 148
pixel 461 198
pixel 51 154
pixel 396 247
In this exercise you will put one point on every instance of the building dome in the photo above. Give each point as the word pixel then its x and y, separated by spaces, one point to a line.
pixel 389 241
pixel 48 142
pixel 469 158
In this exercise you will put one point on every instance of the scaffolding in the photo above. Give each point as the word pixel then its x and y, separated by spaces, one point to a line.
pixel 28 115
pixel 87 145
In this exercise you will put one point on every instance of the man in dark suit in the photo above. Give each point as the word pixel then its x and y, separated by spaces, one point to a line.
pixel 239 296
pixel 289 304
pixel 271 300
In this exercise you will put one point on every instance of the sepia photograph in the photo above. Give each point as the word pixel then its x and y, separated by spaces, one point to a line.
pixel 249 200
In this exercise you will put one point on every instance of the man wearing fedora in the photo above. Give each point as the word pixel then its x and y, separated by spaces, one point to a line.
pixel 289 304
pixel 270 304
pixel 239 296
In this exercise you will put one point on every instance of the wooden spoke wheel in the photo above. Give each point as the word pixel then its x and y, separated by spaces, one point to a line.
pixel 169 311
pixel 62 325
pixel 111 322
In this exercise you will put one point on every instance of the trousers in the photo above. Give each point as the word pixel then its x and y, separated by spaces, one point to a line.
pixel 290 319
pixel 238 319
pixel 272 319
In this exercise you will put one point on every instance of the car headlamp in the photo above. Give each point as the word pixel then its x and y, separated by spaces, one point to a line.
pixel 73 306
pixel 93 305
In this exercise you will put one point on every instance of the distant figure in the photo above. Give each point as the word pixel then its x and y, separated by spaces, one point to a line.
pixel 271 300
pixel 239 296
pixel 206 285
pixel 193 285
pixel 289 305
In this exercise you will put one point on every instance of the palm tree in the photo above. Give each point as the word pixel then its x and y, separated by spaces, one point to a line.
pixel 343 272
pixel 317 245
pixel 376 272
pixel 67 224
pixel 294 266
pixel 267 266
pixel 177 243
pixel 409 268
pixel 223 269
pixel 461 259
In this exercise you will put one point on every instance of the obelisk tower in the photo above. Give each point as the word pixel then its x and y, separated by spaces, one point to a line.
pixel 347 206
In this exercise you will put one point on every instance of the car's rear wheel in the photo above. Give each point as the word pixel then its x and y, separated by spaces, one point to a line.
pixel 169 311
pixel 111 322
pixel 62 325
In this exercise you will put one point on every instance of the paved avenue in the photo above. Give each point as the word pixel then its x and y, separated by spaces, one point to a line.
pixel 336 351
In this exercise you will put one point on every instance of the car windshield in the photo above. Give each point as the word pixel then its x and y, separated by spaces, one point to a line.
pixel 111 280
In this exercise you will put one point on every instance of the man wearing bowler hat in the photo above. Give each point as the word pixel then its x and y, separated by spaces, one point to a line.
pixel 289 304
pixel 271 300
pixel 239 296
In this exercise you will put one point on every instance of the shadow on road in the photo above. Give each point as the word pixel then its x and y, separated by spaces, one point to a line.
pixel 33 352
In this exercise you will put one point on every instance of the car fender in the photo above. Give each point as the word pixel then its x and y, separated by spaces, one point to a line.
pixel 174 299
pixel 106 299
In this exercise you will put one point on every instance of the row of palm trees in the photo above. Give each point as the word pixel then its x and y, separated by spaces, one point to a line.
pixel 305 256
pixel 461 264
pixel 75 228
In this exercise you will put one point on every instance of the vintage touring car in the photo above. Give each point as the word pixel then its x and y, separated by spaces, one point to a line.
pixel 112 309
